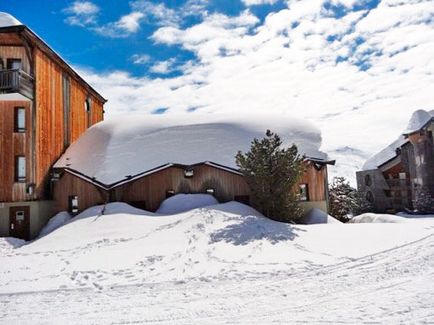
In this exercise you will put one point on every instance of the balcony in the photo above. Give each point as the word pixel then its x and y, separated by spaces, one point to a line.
pixel 16 81
pixel 398 184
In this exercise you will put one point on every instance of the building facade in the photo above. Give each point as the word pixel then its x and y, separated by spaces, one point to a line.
pixel 393 178
pixel 75 192
pixel 44 106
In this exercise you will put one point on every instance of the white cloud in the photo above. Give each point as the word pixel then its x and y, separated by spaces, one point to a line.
pixel 158 14
pixel 358 78
pixel 82 13
pixel 140 58
pixel 163 67
pixel 258 2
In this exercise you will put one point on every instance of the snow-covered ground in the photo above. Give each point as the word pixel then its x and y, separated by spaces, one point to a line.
pixel 218 264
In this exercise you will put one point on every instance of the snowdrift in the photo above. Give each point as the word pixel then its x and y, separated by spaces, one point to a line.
pixel 117 245
pixel 378 218
pixel 184 202
pixel 317 216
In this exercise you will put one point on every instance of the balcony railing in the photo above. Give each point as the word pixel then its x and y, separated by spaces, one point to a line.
pixel 16 81
pixel 396 183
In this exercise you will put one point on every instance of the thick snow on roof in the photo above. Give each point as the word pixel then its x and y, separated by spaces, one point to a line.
pixel 418 120
pixel 7 20
pixel 112 150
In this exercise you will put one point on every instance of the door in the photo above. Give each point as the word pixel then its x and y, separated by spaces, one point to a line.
pixel 19 222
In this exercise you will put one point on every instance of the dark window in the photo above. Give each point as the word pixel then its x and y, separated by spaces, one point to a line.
pixel 14 64
pixel 368 180
pixel 245 199
pixel 66 110
pixel 88 108
pixel 20 168
pixel 369 197
pixel 304 192
pixel 20 119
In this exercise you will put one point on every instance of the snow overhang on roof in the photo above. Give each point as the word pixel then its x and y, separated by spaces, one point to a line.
pixel 7 20
pixel 419 120
pixel 118 150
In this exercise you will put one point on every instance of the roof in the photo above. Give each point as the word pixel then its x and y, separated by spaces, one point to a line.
pixel 113 151
pixel 9 24
pixel 418 121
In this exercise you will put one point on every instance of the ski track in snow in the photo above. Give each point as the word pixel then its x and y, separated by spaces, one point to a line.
pixel 389 286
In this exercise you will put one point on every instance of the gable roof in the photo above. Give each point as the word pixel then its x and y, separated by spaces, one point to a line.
pixel 9 24
pixel 113 151
pixel 419 120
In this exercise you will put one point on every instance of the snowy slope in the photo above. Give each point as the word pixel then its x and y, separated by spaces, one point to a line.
pixel 417 121
pixel 220 264
pixel 111 150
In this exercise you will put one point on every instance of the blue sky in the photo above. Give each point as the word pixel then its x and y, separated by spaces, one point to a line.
pixel 83 46
pixel 355 68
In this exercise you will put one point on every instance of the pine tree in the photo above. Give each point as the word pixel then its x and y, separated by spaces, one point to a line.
pixel 424 201
pixel 272 172
pixel 344 199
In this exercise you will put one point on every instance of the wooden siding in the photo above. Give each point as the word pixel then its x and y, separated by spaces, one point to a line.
pixel 88 194
pixel 50 130
pixel 13 144
pixel 152 189
pixel 15 52
pixel 316 180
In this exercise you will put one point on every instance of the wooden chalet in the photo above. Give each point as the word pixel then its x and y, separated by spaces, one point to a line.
pixel 137 171
pixel 44 106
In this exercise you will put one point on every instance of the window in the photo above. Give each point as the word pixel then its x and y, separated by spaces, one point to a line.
pixel 369 197
pixel 304 192
pixel 66 110
pixel 20 168
pixel 368 180
pixel 87 105
pixel 20 119
pixel 88 109
pixel 14 64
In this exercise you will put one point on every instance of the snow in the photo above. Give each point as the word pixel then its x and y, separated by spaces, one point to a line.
pixel 184 202
pixel 55 222
pixel 418 119
pixel 8 244
pixel 378 218
pixel 224 263
pixel 317 216
pixel 7 20
pixel 112 150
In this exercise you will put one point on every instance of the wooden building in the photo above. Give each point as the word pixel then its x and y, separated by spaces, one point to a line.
pixel 392 180
pixel 44 106
pixel 75 192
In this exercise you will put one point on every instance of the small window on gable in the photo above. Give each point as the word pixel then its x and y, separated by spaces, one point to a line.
pixel 14 64
pixel 304 192
pixel 20 119
pixel 20 169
